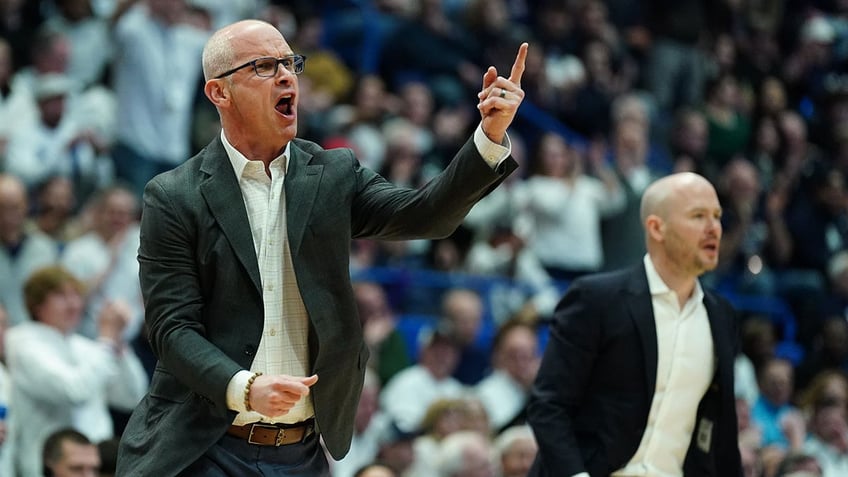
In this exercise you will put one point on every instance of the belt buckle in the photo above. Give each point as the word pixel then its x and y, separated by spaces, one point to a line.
pixel 281 433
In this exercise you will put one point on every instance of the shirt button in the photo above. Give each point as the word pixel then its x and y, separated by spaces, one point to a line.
pixel 273 332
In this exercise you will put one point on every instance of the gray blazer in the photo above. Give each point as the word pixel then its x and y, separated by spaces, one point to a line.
pixel 203 301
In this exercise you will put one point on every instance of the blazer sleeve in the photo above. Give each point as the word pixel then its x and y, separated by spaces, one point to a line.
pixel 174 300
pixel 563 376
pixel 384 211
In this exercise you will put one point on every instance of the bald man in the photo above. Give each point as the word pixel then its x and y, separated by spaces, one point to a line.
pixel 637 378
pixel 244 270
pixel 21 251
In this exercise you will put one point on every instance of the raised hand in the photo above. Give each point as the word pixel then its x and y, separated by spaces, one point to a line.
pixel 500 97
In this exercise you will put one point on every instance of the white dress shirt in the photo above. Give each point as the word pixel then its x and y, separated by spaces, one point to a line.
pixel 283 347
pixel 685 369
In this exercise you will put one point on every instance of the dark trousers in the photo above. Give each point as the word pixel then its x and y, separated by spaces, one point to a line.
pixel 234 457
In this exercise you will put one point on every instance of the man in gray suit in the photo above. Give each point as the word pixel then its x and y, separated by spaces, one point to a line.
pixel 244 270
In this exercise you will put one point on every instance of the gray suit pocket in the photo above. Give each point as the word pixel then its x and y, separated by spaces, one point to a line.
pixel 164 385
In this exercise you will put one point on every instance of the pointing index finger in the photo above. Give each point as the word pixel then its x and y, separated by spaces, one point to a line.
pixel 518 66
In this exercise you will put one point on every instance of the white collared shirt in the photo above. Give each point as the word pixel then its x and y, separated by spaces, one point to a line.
pixel 283 347
pixel 685 369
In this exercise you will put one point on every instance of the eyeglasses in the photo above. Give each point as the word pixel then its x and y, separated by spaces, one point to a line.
pixel 266 66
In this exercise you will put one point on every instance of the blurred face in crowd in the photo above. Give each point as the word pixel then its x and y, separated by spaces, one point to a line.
pixel 517 459
pixel 77 460
pixel 62 308
pixel 517 354
pixel 116 212
pixel 776 382
pixel 556 159
pixel 464 311
pixel 13 209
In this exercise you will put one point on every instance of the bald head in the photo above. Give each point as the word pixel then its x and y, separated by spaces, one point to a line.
pixel 13 209
pixel 11 187
pixel 662 193
pixel 219 52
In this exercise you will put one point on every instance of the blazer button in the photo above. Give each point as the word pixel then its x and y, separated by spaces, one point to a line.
pixel 249 350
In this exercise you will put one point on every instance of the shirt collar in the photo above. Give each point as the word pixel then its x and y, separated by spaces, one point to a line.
pixel 658 287
pixel 239 162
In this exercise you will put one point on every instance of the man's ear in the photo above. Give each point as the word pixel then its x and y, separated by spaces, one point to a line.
pixel 217 92
pixel 655 227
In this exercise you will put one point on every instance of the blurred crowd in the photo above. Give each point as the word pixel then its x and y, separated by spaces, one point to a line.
pixel 97 96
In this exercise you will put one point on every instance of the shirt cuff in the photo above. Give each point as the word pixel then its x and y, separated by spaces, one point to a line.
pixel 235 390
pixel 494 154
pixel 581 474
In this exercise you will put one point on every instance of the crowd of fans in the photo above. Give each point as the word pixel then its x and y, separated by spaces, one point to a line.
pixel 97 96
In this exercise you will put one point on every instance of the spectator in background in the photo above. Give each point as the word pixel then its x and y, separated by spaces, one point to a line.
pixel 622 232
pixel 88 40
pixel 379 329
pixel 828 440
pixel 828 353
pixel 370 424
pixel 516 449
pixel 782 424
pixel 60 378
pixel 462 317
pixel 15 100
pixel 406 397
pixel 407 53
pixel 676 67
pixel 756 239
pixel 443 418
pixel 21 252
pixel 376 470
pixel 54 211
pixel 465 454
pixel 797 464
pixel 69 453
pixel 729 125
pixel 156 78
pixel 817 219
pixel 515 363
pixel 105 259
pixel 59 143
pixel 688 140
pixel 565 205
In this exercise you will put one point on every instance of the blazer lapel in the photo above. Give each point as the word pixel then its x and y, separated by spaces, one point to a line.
pixel 302 180
pixel 641 311
pixel 723 348
pixel 226 204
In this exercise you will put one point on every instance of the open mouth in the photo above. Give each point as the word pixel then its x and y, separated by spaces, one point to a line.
pixel 284 105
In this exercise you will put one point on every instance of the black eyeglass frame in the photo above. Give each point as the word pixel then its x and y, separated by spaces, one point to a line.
pixel 295 59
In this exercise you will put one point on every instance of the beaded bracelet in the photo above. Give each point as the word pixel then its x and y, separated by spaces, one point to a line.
pixel 247 390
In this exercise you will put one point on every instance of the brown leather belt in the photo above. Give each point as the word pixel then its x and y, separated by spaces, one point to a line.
pixel 266 434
